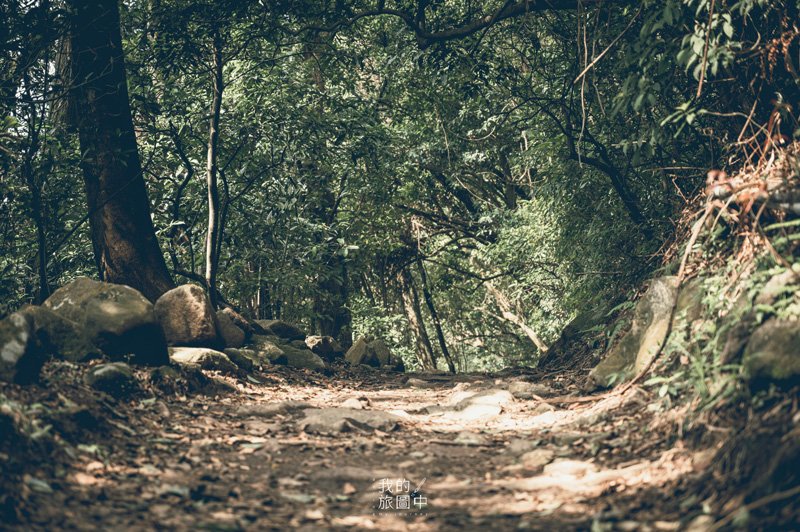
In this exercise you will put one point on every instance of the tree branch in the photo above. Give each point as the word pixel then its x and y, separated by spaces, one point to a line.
pixel 417 22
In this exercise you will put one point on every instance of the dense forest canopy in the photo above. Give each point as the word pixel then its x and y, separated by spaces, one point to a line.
pixel 458 178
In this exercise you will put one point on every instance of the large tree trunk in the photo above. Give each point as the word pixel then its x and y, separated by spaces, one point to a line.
pixel 125 247
pixel 414 314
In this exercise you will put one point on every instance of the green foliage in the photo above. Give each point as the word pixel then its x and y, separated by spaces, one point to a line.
pixel 350 151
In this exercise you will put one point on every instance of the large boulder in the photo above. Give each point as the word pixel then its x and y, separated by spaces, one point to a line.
pixel 302 358
pixel 373 353
pixel 240 321
pixel 651 321
pixel 281 329
pixel 360 353
pixel 773 352
pixel 118 319
pixel 326 347
pixel 297 344
pixel 203 357
pixel 21 354
pixel 742 318
pixel 382 352
pixel 232 335
pixel 244 358
pixel 60 337
pixel 188 319
pixel 267 351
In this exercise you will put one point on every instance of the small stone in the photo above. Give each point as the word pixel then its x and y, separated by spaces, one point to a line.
pixel 518 446
pixel 205 358
pixel 21 355
pixel 272 409
pixel 526 390
pixel 572 468
pixel 334 420
pixel 114 378
pixel 543 408
pixel 537 458
pixel 568 438
pixel 701 523
pixel 471 438
pixel 165 372
pixel 590 420
pixel 353 403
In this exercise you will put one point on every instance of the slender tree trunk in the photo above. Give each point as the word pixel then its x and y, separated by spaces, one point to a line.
pixel 413 312
pixel 125 247
pixel 212 240
pixel 37 212
pixel 35 188
pixel 508 314
pixel 434 316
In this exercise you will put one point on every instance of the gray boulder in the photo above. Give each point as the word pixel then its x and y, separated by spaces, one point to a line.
pixel 297 344
pixel 651 322
pixel 282 329
pixel 267 351
pixel 773 352
pixel 244 358
pixel 203 357
pixel 114 378
pixel 187 317
pixel 741 320
pixel 373 353
pixel 118 319
pixel 382 352
pixel 232 335
pixel 21 354
pixel 60 337
pixel 526 390
pixel 326 347
pixel 360 353
pixel 302 358
pixel 240 321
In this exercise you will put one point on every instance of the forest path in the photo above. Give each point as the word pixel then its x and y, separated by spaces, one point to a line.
pixel 485 459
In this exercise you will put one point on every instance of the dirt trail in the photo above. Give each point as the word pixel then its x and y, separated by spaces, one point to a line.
pixel 483 456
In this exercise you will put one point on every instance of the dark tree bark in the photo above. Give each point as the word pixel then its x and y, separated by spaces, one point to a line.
pixel 435 316
pixel 414 314
pixel 125 247
pixel 212 241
